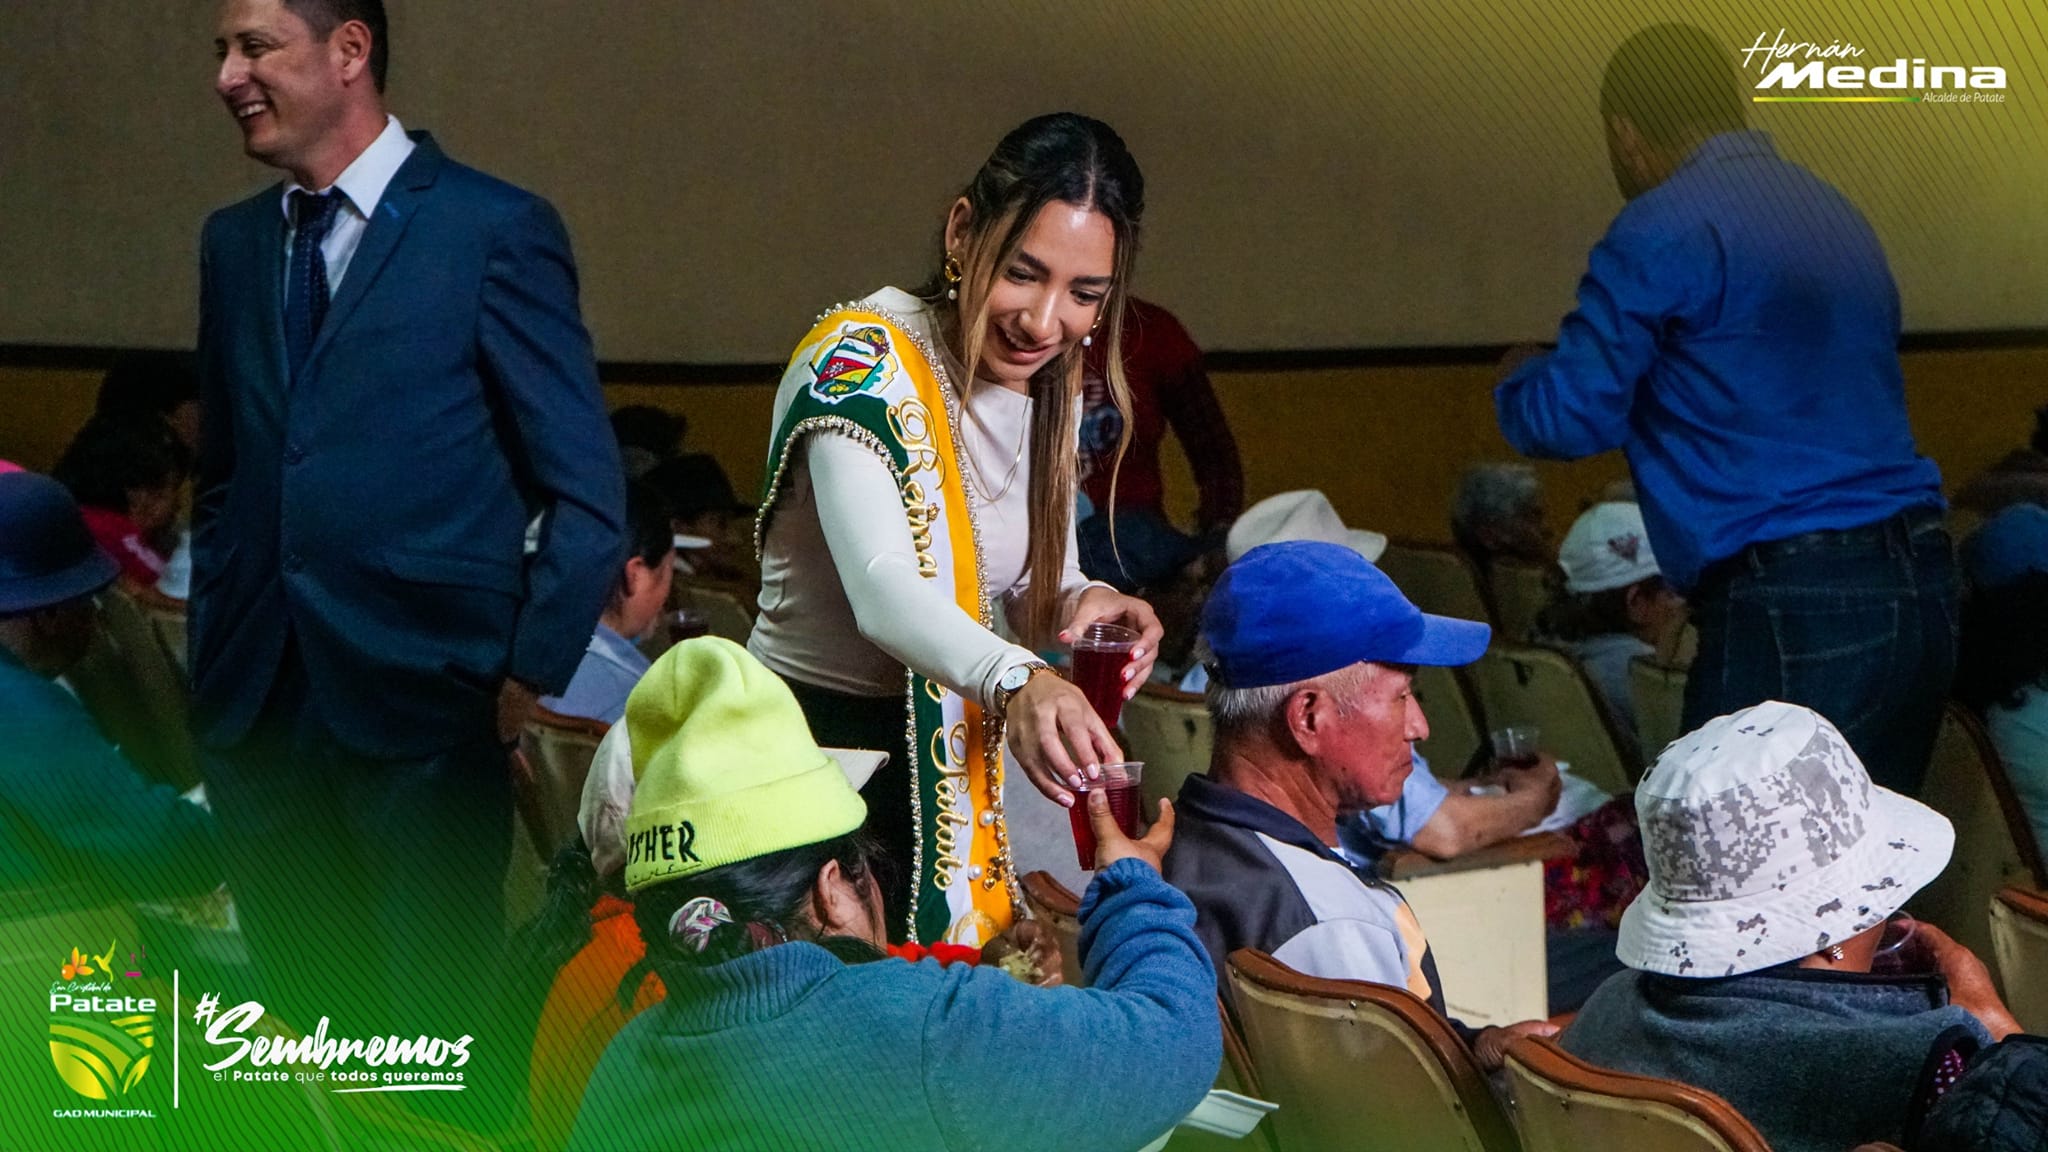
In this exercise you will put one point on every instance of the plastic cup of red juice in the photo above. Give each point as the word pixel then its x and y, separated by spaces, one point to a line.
pixel 1121 782
pixel 1101 653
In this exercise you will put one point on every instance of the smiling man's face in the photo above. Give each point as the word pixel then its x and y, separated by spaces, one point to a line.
pixel 283 84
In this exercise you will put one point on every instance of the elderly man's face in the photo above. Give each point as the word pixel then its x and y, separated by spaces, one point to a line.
pixel 1366 752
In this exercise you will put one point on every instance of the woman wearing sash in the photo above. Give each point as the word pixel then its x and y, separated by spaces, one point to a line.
pixel 910 500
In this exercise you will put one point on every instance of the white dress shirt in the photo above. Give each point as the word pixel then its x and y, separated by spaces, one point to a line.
pixel 361 185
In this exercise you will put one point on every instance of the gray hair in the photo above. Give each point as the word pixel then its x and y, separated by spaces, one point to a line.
pixel 1235 711
pixel 1491 492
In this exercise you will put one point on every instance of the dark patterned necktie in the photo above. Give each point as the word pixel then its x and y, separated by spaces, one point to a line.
pixel 305 301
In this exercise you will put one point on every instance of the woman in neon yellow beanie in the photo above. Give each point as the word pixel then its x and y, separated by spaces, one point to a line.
pixel 784 1026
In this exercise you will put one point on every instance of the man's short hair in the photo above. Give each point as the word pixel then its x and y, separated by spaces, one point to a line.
pixel 1236 711
pixel 1490 493
pixel 1673 81
pixel 112 456
pixel 147 385
pixel 324 16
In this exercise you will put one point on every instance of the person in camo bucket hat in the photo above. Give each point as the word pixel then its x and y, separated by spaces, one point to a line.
pixel 1761 966
pixel 1767 842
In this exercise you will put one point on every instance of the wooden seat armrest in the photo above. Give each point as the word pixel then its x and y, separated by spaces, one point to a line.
pixel 1408 864
pixel 2026 901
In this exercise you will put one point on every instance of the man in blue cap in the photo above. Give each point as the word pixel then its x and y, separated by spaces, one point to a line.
pixel 1312 648
pixel 72 808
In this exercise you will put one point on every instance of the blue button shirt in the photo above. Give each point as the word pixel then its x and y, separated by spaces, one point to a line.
pixel 611 666
pixel 1736 336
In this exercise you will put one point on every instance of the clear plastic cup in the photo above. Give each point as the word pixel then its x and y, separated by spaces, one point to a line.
pixel 1515 746
pixel 1122 783
pixel 1101 652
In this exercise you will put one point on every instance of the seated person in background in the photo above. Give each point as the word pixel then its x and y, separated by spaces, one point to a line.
pixel 153 387
pixel 1497 514
pixel 612 664
pixel 71 805
pixel 2021 477
pixel 128 478
pixel 1436 819
pixel 785 1026
pixel 647 436
pixel 1314 716
pixel 1774 863
pixel 2002 666
pixel 702 501
pixel 1169 390
pixel 1616 607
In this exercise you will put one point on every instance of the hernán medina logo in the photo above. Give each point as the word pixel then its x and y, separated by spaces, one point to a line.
pixel 1813 66
pixel 100 1044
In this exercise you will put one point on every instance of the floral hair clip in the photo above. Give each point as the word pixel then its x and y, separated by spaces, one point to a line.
pixel 696 920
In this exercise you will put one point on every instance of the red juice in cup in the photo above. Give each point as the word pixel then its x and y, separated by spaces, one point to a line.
pixel 1515 746
pixel 1100 655
pixel 1121 782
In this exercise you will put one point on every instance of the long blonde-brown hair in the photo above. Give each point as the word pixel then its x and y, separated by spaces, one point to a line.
pixel 1071 159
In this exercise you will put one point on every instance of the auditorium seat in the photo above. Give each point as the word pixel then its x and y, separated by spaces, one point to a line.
pixel 1966 782
pixel 1521 591
pixel 1360 1067
pixel 1563 1104
pixel 130 684
pixel 1438 578
pixel 1659 694
pixel 1457 731
pixel 1529 684
pixel 1170 732
pixel 559 748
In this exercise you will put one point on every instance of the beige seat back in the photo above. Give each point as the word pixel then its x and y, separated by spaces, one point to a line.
pixel 1529 684
pixel 167 615
pixel 1659 694
pixel 1563 1104
pixel 2019 937
pixel 1521 591
pixel 130 684
pixel 1438 578
pixel 559 750
pixel 1170 731
pixel 1359 1067
pixel 1456 730
pixel 1966 782
pixel 730 608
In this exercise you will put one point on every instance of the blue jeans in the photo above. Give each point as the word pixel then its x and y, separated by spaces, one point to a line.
pixel 1858 625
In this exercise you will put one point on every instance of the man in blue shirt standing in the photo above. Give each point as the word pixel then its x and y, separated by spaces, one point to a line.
pixel 1736 336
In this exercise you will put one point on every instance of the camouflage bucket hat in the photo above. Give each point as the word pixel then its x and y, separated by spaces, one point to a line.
pixel 1767 842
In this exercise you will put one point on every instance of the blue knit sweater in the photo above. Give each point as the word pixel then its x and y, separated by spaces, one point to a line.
pixel 790 1049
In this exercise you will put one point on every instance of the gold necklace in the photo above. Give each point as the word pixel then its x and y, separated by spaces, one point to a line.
pixel 1016 459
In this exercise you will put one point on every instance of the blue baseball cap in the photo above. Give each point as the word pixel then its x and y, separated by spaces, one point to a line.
pixel 1293 611
pixel 2008 546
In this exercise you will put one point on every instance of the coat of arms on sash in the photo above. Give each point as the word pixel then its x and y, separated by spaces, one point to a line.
pixel 851 363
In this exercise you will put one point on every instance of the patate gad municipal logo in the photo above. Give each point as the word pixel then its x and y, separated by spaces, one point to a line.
pixel 1795 71
pixel 101 1038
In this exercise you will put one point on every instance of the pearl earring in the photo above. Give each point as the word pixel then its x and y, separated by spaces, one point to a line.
pixel 951 271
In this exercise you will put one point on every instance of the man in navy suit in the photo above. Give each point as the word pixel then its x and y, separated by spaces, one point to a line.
pixel 397 382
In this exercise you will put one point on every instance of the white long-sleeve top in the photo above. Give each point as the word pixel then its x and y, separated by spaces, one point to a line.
pixel 852 625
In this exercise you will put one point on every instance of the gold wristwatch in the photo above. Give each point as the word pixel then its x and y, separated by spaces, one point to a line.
pixel 1013 682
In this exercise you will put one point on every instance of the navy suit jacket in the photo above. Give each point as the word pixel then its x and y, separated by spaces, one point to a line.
pixel 375 508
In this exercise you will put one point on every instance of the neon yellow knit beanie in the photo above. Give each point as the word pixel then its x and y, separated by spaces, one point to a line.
pixel 725 768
